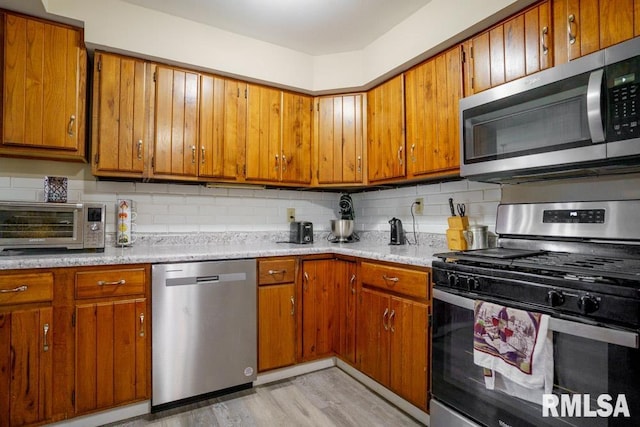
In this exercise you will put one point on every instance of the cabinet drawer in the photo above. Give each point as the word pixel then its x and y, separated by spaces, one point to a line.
pixel 275 271
pixel 108 283
pixel 26 287
pixel 401 280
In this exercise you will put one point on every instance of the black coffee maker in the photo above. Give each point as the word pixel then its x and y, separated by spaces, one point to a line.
pixel 397 233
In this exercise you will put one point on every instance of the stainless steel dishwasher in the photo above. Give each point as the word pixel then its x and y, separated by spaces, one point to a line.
pixel 204 328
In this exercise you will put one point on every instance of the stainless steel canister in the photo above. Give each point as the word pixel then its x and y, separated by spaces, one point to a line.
pixel 477 237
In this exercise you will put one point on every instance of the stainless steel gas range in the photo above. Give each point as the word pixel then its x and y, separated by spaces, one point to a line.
pixel 577 262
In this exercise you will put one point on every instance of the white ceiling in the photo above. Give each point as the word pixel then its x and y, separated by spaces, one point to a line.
pixel 315 27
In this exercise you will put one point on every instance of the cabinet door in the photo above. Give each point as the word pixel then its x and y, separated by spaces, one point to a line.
pixel 263 134
pixel 26 366
pixel 538 38
pixel 120 115
pixel 176 128
pixel 345 280
pixel 111 354
pixel 372 350
pixel 222 128
pixel 385 134
pixel 297 113
pixel 276 326
pixel 317 308
pixel 409 330
pixel 433 90
pixel 340 139
pixel 44 80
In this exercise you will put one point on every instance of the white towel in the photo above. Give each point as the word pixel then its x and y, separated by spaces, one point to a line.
pixel 516 349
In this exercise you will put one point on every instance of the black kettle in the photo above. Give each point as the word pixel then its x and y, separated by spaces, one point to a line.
pixel 397 233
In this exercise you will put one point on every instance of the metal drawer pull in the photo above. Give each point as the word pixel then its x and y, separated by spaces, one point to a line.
pixel 193 154
pixel 351 282
pixel 293 306
pixel 45 346
pixel 141 325
pixel 272 272
pixel 306 279
pixel 117 283
pixel 20 288
pixel 400 160
pixel 384 322
pixel 139 149
pixel 391 316
pixel 572 19
pixel 284 162
pixel 202 152
pixel 72 120
pixel 359 164
pixel 390 279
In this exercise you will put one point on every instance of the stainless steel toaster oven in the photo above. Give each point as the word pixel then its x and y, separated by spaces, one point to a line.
pixel 34 225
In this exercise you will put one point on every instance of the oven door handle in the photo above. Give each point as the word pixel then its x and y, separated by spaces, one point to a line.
pixel 583 330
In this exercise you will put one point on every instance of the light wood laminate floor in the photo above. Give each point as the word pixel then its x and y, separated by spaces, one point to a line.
pixel 324 398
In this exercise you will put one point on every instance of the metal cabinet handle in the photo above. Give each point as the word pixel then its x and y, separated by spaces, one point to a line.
pixel 543 36
pixel 391 316
pixel 276 163
pixel 351 282
pixel 571 20
pixel 400 160
pixel 359 164
pixel 413 149
pixel 306 279
pixel 272 272
pixel 393 280
pixel 193 154
pixel 384 321
pixel 284 162
pixel 45 345
pixel 115 283
pixel 141 333
pixel 72 121
pixel 202 154
pixel 293 306
pixel 139 144
pixel 21 288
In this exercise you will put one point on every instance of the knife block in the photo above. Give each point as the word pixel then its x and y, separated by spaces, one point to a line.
pixel 455 233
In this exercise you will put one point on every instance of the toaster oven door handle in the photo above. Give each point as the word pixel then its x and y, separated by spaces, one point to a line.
pixel 594 111
pixel 582 330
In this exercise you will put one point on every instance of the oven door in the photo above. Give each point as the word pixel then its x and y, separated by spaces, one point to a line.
pixel 588 359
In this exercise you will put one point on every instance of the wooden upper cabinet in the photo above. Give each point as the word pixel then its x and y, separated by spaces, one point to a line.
pixel 175 151
pixel 585 26
pixel 340 139
pixel 514 48
pixel 433 90
pixel 263 161
pixel 385 131
pixel 121 97
pixel 223 120
pixel 297 128
pixel 44 89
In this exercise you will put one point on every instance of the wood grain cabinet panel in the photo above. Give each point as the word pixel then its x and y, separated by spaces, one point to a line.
pixel 176 123
pixel 26 366
pixel 110 283
pixel 263 134
pixel 297 128
pixel 24 288
pixel 432 93
pixel 318 308
pixel 345 280
pixel 44 89
pixel 340 139
pixel 121 101
pixel 385 131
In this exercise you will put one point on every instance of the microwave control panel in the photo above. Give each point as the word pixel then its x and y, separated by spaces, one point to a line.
pixel 94 225
pixel 623 83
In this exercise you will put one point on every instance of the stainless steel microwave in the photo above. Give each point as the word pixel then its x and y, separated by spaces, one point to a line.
pixel 578 118
pixel 25 225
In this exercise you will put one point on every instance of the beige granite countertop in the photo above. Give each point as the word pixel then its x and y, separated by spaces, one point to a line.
pixel 187 248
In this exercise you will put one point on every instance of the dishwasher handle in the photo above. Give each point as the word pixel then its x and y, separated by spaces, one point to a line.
pixel 205 280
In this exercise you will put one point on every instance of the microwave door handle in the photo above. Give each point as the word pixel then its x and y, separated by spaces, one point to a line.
pixel 594 110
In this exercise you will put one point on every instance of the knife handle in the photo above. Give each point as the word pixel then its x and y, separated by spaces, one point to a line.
pixel 453 211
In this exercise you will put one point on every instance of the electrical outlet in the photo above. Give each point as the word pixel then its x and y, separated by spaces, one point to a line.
pixel 291 214
pixel 419 208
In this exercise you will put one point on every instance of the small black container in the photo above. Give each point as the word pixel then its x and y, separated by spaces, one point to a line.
pixel 397 233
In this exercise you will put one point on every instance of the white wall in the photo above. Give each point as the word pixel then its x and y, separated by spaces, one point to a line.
pixel 120 26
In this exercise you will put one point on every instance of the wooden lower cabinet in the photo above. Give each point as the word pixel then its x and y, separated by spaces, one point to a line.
pixel 277 313
pixel 345 280
pixel 393 330
pixel 318 308
pixel 113 344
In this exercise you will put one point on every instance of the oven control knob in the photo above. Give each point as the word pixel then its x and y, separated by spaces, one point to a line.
pixel 473 283
pixel 453 280
pixel 555 298
pixel 588 304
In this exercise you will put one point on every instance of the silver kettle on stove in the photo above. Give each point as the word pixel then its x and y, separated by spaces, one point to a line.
pixel 397 233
